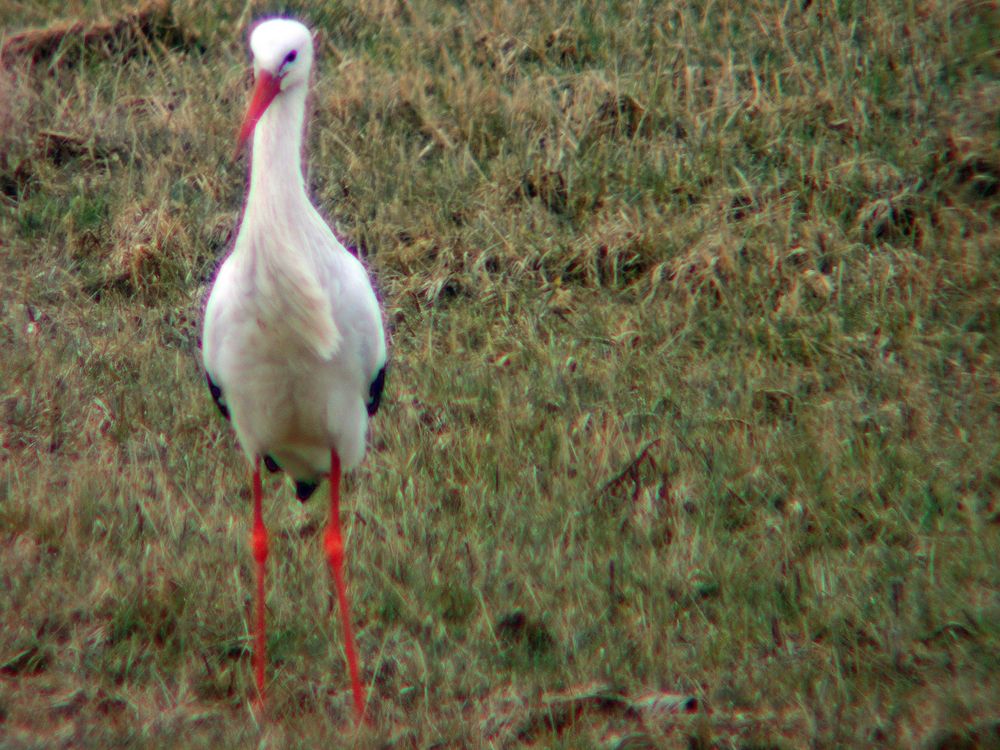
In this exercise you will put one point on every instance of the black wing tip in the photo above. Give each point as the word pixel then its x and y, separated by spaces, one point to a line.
pixel 305 490
pixel 375 392
pixel 217 396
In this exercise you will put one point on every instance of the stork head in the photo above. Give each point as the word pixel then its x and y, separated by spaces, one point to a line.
pixel 282 56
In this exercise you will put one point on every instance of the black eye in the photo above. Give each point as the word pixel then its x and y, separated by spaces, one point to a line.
pixel 290 57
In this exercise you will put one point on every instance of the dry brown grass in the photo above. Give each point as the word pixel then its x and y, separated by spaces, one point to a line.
pixel 691 436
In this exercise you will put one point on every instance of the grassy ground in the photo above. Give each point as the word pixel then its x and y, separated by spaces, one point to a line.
pixel 692 432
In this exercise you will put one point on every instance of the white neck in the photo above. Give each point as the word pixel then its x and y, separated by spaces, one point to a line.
pixel 276 181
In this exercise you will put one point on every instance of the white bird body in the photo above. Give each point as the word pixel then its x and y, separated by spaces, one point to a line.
pixel 293 342
pixel 293 334
pixel 294 347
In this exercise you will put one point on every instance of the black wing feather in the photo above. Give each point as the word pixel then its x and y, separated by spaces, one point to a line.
pixel 217 396
pixel 375 392
pixel 304 490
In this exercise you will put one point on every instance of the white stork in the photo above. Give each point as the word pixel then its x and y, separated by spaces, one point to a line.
pixel 293 345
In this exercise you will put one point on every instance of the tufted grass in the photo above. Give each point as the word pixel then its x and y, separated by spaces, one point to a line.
pixel 691 431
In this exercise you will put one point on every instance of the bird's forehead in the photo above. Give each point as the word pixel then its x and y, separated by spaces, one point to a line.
pixel 271 40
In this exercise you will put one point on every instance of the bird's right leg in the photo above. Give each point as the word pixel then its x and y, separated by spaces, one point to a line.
pixel 260 545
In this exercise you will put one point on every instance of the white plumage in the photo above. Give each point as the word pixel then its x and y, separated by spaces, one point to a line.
pixel 293 343
pixel 293 335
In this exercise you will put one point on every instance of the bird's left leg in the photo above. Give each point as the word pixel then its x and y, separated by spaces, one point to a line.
pixel 334 544
pixel 259 543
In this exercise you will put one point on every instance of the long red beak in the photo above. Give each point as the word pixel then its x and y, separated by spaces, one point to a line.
pixel 265 89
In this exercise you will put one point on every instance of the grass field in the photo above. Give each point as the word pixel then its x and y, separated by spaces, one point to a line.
pixel 691 437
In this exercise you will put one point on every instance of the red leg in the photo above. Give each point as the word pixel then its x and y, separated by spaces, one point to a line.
pixel 334 544
pixel 260 546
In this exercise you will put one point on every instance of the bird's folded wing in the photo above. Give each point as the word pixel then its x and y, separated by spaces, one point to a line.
pixel 294 301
